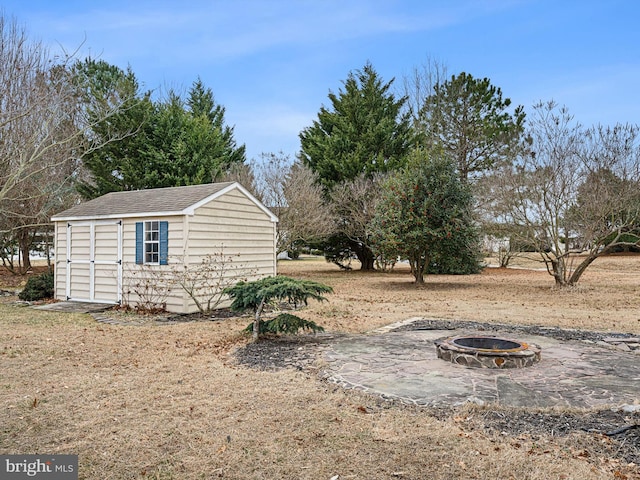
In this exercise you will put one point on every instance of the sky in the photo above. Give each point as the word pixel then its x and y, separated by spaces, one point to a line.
pixel 272 63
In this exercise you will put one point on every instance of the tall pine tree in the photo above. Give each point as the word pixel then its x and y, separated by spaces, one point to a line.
pixel 363 133
pixel 164 143
pixel 468 120
pixel 123 134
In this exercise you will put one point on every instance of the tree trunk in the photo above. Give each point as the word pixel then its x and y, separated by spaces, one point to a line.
pixel 256 321
pixel 367 263
pixel 418 274
pixel 365 256
pixel 419 268
pixel 556 268
pixel 575 277
pixel 24 244
pixel 47 246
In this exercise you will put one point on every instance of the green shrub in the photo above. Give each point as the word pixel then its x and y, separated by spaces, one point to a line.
pixel 271 291
pixel 286 323
pixel 38 287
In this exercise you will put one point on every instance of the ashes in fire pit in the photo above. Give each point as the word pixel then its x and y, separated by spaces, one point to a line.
pixel 487 352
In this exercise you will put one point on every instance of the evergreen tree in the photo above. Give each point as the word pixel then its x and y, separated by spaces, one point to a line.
pixel 164 143
pixel 424 216
pixel 468 119
pixel 362 134
pixel 201 102
pixel 275 291
pixel 122 134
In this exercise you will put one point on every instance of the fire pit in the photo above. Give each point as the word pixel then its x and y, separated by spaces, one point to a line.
pixel 487 352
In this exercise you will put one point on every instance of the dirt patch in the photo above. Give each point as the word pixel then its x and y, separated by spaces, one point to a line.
pixel 12 282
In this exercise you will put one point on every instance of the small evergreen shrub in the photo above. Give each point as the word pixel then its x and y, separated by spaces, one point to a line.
pixel 287 324
pixel 258 294
pixel 38 287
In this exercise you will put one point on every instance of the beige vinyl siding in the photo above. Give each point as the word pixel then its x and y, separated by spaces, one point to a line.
pixel 105 283
pixel 80 280
pixel 102 286
pixel 239 226
pixel 132 272
pixel 106 242
pixel 60 255
pixel 236 226
pixel 105 276
pixel 80 272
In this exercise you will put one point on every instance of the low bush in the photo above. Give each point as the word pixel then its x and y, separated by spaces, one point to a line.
pixel 286 323
pixel 38 287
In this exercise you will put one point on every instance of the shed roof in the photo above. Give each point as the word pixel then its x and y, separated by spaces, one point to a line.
pixel 153 202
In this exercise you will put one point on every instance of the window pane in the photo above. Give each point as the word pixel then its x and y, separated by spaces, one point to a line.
pixel 151 241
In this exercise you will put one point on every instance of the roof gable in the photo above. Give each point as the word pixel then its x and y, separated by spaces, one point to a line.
pixel 154 202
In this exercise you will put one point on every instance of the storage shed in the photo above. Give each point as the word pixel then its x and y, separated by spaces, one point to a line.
pixel 99 244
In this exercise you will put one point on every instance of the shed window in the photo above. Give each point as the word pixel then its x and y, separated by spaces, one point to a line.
pixel 152 242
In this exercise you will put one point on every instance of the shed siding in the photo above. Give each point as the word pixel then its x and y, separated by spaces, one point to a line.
pixel 106 250
pixel 60 256
pixel 106 246
pixel 236 226
pixel 106 283
pixel 80 272
pixel 80 280
pixel 132 273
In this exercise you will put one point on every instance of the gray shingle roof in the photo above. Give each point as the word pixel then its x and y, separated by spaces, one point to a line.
pixel 144 202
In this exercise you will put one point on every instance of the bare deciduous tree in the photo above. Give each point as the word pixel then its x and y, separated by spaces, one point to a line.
pixel 44 132
pixel 353 204
pixel 420 83
pixel 575 196
pixel 243 174
pixel 306 217
pixel 206 281
pixel 294 195
pixel 145 288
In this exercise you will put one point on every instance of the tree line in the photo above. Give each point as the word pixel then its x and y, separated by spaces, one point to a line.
pixel 425 173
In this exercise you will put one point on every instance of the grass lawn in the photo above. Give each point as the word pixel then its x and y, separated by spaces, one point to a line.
pixel 169 402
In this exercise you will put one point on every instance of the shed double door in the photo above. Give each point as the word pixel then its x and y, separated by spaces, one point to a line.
pixel 94 261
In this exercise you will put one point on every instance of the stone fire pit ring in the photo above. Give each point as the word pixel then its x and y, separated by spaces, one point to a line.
pixel 479 351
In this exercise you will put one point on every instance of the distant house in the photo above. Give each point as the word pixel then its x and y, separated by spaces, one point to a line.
pixel 97 242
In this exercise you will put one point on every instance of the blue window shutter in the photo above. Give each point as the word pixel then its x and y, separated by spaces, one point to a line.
pixel 164 242
pixel 139 243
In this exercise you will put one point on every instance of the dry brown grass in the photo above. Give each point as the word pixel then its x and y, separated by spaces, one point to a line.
pixel 168 402
pixel 606 298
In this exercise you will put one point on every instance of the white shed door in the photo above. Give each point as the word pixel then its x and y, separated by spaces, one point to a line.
pixel 94 261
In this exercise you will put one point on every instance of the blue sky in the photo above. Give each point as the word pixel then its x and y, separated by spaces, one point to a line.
pixel 271 63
